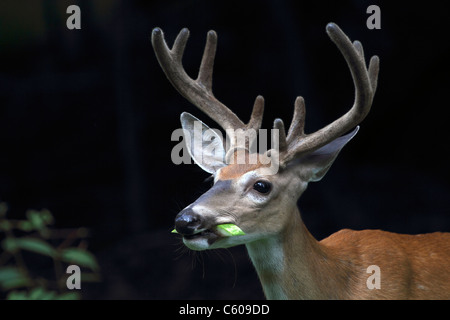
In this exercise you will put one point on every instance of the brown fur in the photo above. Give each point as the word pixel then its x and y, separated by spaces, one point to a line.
pixel 411 266
pixel 236 170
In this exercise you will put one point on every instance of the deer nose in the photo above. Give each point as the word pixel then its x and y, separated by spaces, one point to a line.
pixel 187 222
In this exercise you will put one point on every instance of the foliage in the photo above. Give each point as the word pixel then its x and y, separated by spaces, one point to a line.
pixel 30 248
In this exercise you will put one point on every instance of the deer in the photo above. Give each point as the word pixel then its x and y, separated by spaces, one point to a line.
pixel 289 261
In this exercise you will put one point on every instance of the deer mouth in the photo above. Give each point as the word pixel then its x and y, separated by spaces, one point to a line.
pixel 204 238
pixel 210 234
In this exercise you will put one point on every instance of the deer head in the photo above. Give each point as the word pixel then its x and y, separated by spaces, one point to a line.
pixel 247 194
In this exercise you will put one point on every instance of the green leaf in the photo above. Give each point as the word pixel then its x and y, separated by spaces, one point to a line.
pixel 39 221
pixel 30 244
pixel 12 277
pixel 174 231
pixel 17 295
pixel 9 244
pixel 230 229
pixel 8 272
pixel 48 295
pixel 69 296
pixel 25 225
pixel 38 293
pixel 80 257
pixel 46 216
pixel 35 218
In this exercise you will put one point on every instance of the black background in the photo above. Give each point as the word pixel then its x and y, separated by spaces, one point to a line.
pixel 86 118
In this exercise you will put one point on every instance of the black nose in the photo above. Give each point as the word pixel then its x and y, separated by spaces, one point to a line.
pixel 187 222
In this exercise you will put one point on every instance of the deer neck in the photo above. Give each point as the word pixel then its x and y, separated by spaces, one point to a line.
pixel 294 265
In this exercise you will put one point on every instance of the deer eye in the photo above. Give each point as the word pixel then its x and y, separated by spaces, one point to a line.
pixel 262 186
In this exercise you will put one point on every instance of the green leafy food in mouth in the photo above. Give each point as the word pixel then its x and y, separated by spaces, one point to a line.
pixel 227 229
pixel 230 229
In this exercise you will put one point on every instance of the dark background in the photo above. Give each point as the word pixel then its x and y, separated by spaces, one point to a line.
pixel 86 118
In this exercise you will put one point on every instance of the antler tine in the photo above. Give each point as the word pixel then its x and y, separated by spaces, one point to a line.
pixel 297 127
pixel 279 124
pixel 365 82
pixel 358 46
pixel 257 114
pixel 179 44
pixel 199 91
pixel 207 64
pixel 374 67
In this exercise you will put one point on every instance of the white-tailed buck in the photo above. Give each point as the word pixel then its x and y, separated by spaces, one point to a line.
pixel 290 262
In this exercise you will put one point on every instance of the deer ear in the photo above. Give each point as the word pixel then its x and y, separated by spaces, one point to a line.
pixel 314 166
pixel 205 145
